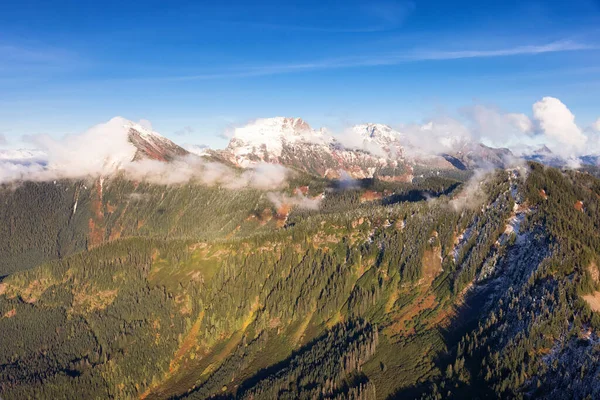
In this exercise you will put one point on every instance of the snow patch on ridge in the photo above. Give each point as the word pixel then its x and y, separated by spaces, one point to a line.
pixel 271 134
pixel 22 155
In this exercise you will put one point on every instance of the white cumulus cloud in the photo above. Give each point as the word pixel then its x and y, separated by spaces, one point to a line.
pixel 105 149
pixel 557 123
pixel 495 126
pixel 96 151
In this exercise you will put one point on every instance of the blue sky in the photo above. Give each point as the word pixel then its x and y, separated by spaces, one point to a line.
pixel 67 65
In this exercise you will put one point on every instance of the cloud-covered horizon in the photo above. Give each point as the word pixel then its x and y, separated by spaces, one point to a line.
pixel 551 124
pixel 105 148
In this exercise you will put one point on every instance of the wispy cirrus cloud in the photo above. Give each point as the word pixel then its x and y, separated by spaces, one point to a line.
pixel 370 17
pixel 26 63
pixel 553 47
pixel 32 55
pixel 390 58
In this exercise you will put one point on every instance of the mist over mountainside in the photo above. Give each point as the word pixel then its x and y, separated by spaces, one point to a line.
pixel 297 263
pixel 162 274
pixel 316 200
pixel 362 151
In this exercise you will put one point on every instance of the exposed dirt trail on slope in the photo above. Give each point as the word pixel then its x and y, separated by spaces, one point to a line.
pixel 593 300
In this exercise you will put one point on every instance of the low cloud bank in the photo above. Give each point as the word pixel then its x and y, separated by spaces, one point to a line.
pixel 283 201
pixel 355 138
pixel 194 169
pixel 550 123
pixel 472 195
pixel 98 151
pixel 105 149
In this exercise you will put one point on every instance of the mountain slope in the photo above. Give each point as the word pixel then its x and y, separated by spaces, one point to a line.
pixel 229 294
pixel 365 151
pixel 151 145
pixel 435 288
pixel 293 143
pixel 360 292
pixel 46 220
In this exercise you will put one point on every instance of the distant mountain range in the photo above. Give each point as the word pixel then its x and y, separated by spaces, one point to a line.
pixel 22 156
pixel 363 151
pixel 194 273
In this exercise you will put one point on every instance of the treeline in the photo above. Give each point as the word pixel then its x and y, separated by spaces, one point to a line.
pixel 42 221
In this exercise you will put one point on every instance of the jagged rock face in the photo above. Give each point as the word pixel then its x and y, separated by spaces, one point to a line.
pixel 365 151
pixel 293 143
pixel 546 156
pixel 381 140
pixel 477 155
pixel 152 146
pixel 338 163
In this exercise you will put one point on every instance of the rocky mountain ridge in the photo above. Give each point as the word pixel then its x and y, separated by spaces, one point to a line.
pixel 364 151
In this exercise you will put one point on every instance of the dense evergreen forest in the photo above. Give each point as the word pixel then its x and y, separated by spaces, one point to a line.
pixel 447 287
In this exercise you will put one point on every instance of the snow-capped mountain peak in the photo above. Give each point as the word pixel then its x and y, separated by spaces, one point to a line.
pixel 22 155
pixel 148 143
pixel 269 130
pixel 544 150
pixel 292 142
pixel 377 132
pixel 379 139
pixel 101 150
pixel 266 137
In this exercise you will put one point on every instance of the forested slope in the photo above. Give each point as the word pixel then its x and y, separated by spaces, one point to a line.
pixel 460 290
pixel 42 221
